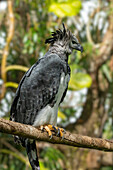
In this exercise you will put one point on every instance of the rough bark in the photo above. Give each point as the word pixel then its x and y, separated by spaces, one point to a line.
pixel 75 140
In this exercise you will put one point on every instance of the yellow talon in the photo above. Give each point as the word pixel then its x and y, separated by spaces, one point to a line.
pixel 50 128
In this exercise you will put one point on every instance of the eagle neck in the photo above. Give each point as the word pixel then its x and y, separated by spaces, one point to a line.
pixel 60 52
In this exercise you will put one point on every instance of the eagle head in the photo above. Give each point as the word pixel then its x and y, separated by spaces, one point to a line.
pixel 64 40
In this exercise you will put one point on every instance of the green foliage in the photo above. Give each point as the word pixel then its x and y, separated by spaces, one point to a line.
pixel 85 59
pixel 88 47
pixel 106 72
pixel 6 151
pixel 10 160
pixel 108 129
pixel 42 166
pixel 34 22
pixel 52 158
pixel 63 8
pixel 69 112
pixel 61 115
pixel 30 41
pixel 79 81
pixel 107 168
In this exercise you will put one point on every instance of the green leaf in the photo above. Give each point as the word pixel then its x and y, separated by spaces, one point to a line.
pixel 79 81
pixel 106 71
pixel 65 8
pixel 61 115
pixel 42 166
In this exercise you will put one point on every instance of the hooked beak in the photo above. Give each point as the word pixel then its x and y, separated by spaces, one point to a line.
pixel 79 48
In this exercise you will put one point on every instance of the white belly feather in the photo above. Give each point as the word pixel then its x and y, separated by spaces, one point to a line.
pixel 48 115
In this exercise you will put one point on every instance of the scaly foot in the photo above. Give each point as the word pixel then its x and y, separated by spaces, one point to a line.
pixel 49 128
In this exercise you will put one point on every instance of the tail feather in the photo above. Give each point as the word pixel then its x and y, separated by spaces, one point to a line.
pixel 32 154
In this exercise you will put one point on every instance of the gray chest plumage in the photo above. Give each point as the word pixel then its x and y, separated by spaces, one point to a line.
pixel 48 115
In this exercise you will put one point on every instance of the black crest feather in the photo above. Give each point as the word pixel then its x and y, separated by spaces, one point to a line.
pixel 58 34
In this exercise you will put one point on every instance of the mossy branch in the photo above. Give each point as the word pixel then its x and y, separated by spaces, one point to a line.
pixel 75 140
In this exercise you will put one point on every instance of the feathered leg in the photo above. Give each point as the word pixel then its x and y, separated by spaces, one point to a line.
pixel 32 154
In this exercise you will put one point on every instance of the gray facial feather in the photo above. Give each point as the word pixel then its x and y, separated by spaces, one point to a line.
pixel 63 41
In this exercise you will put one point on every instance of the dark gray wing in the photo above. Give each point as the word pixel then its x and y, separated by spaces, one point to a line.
pixel 14 104
pixel 38 88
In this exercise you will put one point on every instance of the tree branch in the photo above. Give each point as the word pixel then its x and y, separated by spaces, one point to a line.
pixel 75 140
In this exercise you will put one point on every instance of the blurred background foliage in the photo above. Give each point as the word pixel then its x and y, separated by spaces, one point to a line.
pixel 87 108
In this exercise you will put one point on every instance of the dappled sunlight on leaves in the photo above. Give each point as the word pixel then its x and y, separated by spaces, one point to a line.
pixel 65 8
pixel 79 81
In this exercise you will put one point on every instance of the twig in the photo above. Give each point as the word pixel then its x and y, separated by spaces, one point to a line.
pixel 88 33
pixel 75 140
pixel 16 67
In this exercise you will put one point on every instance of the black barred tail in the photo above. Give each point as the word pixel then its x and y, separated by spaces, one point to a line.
pixel 32 154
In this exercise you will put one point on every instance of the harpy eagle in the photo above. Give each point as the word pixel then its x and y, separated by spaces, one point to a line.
pixel 43 88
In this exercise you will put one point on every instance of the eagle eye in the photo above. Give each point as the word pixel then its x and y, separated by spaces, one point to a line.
pixel 74 42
